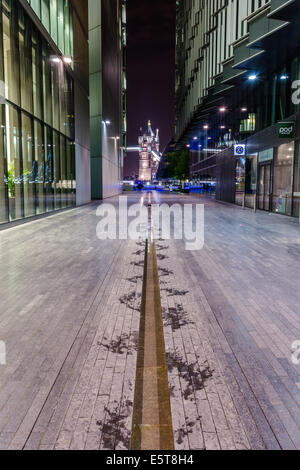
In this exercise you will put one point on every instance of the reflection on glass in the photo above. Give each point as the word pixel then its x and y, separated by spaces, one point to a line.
pixel 49 170
pixel 3 169
pixel 11 57
pixel 283 179
pixel 28 166
pixel 14 164
pixel 39 166
pixel 296 202
pixel 37 163
pixel 56 171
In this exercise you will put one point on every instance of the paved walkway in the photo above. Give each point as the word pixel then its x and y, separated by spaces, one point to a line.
pixel 70 317
pixel 231 314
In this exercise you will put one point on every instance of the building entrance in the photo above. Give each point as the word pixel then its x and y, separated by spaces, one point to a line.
pixel 265 187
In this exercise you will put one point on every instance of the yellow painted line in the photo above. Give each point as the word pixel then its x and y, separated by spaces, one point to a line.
pixel 152 419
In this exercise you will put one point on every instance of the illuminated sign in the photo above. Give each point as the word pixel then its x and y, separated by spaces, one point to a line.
pixel 286 130
pixel 240 150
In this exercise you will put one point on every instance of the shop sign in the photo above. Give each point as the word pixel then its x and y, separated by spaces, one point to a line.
pixel 286 130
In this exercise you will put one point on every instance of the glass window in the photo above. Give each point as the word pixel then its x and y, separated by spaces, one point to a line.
pixel 36 6
pixel 37 155
pixel 56 72
pixel 49 187
pixel 11 57
pixel 64 177
pixel 240 180
pixel 56 170
pixel 63 101
pixel 71 172
pixel 47 86
pixel 296 201
pixel 53 20
pixel 46 14
pixel 69 101
pixel 28 166
pixel 3 170
pixel 37 76
pixel 14 164
pixel 56 16
pixel 26 67
pixel 60 26
pixel 283 179
pixel 67 28
pixel 251 174
pixel 39 166
pixel 71 35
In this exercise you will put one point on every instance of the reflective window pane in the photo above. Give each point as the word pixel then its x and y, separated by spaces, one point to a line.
pixel 37 161
pixel 283 179
pixel 14 164
pixel 39 166
pixel 28 166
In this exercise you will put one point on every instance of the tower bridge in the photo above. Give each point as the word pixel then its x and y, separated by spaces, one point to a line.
pixel 149 153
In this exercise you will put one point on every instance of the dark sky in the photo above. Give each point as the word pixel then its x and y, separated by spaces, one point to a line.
pixel 150 71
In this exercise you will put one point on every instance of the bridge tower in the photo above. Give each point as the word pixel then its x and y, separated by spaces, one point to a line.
pixel 149 154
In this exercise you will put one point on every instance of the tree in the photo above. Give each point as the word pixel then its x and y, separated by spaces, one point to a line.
pixel 178 165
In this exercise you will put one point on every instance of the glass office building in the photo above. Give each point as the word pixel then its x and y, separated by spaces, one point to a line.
pixel 56 16
pixel 37 158
pixel 237 82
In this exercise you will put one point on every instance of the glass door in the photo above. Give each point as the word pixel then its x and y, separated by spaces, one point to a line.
pixel 265 187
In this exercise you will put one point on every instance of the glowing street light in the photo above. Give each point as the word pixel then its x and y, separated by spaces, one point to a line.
pixel 252 77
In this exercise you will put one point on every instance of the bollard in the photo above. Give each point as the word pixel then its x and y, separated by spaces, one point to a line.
pixel 255 202
pixel 244 201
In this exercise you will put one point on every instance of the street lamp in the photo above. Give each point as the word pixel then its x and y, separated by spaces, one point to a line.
pixel 252 77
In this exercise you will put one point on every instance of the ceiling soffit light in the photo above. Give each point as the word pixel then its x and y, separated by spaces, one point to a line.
pixel 68 60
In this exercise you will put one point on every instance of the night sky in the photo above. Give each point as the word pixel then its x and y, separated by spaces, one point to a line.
pixel 150 71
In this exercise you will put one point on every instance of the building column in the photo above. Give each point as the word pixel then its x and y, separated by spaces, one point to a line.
pixel 95 78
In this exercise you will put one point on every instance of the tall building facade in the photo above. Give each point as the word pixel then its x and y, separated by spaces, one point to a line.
pixel 46 133
pixel 149 154
pixel 107 92
pixel 237 83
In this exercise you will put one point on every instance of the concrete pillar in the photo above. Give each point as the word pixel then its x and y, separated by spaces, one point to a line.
pixel 95 78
